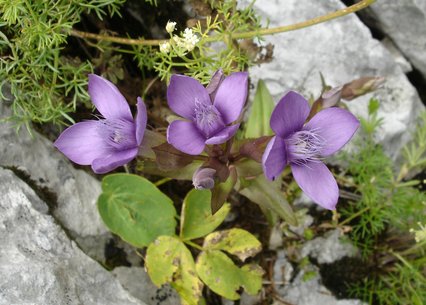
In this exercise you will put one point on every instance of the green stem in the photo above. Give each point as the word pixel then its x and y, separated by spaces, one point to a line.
pixel 250 34
pixel 347 220
pixel 162 181
pixel 194 245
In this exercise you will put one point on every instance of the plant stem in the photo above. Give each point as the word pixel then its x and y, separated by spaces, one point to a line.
pixel 265 31
pixel 347 220
pixel 120 40
pixel 162 181
pixel 193 245
pixel 297 26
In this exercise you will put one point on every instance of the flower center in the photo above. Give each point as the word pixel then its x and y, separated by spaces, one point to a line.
pixel 208 119
pixel 304 146
pixel 118 133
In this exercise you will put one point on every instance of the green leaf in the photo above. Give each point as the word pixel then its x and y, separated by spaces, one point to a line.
pixel 168 260
pixel 373 106
pixel 222 276
pixel 234 241
pixel 258 122
pixel 135 209
pixel 268 194
pixel 197 219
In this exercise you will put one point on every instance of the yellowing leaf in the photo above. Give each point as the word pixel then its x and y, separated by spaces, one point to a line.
pixel 168 260
pixel 197 219
pixel 222 276
pixel 234 241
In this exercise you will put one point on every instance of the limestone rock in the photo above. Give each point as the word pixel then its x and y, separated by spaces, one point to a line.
pixel 75 191
pixel 405 23
pixel 300 289
pixel 329 248
pixel 310 292
pixel 38 262
pixel 137 282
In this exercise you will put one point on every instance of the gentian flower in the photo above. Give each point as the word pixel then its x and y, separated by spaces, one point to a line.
pixel 203 178
pixel 304 145
pixel 208 121
pixel 111 141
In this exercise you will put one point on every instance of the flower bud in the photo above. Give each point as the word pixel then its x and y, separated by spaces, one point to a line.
pixel 203 178
pixel 165 47
pixel 361 86
pixel 170 27
pixel 331 97
pixel 214 83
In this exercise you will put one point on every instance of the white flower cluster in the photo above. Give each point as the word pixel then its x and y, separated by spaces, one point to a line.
pixel 186 42
pixel 419 235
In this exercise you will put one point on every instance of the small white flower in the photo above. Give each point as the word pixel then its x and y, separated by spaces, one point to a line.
pixel 419 235
pixel 165 47
pixel 190 39
pixel 170 26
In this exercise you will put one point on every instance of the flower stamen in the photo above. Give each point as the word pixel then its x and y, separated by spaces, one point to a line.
pixel 207 118
pixel 304 146
pixel 119 133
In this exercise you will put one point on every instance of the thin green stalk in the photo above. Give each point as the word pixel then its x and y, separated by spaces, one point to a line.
pixel 245 35
pixel 297 26
pixel 353 216
pixel 193 245
pixel 162 181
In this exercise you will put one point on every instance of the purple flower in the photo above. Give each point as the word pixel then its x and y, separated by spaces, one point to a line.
pixel 208 121
pixel 304 145
pixel 111 141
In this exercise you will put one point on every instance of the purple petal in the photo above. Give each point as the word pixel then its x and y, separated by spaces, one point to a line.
pixel 231 96
pixel 185 137
pixel 182 93
pixel 107 99
pixel 140 120
pixel 317 182
pixel 335 126
pixel 113 160
pixel 290 114
pixel 224 135
pixel 274 158
pixel 81 142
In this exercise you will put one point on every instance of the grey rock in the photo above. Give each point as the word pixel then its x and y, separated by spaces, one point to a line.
pixel 342 50
pixel 311 292
pixel 137 282
pixel 299 290
pixel 397 55
pixel 303 289
pixel 329 248
pixel 76 191
pixel 405 23
pixel 283 269
pixel 39 264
